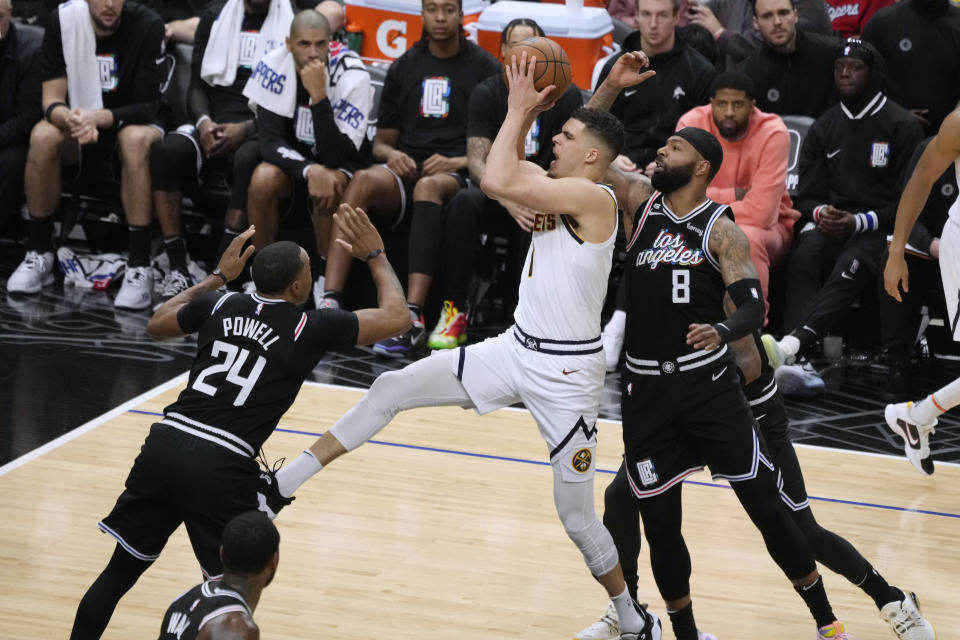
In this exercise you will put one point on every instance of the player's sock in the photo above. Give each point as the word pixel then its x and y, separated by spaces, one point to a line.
pixel 176 249
pixel 684 626
pixel 40 234
pixel 937 403
pixel 790 345
pixel 815 596
pixel 301 469
pixel 630 620
pixel 139 246
pixel 874 585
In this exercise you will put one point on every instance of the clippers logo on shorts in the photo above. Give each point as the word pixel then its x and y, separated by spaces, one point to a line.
pixel 248 49
pixel 879 154
pixel 648 476
pixel 435 102
pixel 582 460
pixel 531 145
pixel 107 66
pixel 669 248
pixel 304 125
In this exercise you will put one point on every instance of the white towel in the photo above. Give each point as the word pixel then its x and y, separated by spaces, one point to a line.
pixel 273 83
pixel 219 65
pixel 80 54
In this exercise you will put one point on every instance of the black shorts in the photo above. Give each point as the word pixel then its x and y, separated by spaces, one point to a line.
pixel 676 423
pixel 181 478
pixel 97 158
pixel 406 193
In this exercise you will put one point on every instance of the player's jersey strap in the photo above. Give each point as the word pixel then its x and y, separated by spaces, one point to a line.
pixel 207 432
pixel 557 347
pixel 688 362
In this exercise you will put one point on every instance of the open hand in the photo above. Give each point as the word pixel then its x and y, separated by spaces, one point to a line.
pixel 235 256
pixel 628 70
pixel 360 237
pixel 523 95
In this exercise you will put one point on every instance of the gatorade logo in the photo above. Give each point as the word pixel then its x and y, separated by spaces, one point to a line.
pixel 391 37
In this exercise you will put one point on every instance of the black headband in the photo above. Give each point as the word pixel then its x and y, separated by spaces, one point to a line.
pixel 705 144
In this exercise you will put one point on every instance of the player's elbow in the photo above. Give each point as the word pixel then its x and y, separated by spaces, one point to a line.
pixel 492 184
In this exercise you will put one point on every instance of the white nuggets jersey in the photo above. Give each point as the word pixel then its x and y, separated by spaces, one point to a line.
pixel 564 280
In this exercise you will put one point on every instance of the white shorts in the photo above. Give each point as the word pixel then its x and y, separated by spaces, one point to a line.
pixel 562 392
pixel 950 273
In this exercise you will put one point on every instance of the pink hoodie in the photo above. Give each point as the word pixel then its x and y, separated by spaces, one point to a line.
pixel 756 162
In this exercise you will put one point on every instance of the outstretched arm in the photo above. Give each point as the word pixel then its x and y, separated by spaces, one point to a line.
pixel 940 152
pixel 627 71
pixel 732 249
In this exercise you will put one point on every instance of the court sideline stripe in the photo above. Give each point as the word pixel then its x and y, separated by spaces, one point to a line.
pixel 92 424
pixel 489 456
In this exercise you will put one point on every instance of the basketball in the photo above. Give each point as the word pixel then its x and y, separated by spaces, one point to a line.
pixel 553 65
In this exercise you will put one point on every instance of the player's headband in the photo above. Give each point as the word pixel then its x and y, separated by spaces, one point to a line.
pixel 705 144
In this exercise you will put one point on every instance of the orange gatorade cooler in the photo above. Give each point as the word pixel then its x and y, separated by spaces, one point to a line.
pixel 390 27
pixel 582 32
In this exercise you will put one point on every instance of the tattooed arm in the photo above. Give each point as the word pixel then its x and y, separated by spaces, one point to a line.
pixel 477 150
pixel 632 190
pixel 732 250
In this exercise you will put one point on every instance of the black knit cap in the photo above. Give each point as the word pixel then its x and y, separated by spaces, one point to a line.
pixel 857 49
pixel 705 144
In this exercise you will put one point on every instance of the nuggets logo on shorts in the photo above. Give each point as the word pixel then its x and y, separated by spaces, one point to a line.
pixel 582 460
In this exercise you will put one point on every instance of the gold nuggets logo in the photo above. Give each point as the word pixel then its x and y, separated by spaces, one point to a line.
pixel 581 461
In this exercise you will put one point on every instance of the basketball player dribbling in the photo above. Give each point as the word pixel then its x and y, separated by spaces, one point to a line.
pixel 552 357
pixel 914 422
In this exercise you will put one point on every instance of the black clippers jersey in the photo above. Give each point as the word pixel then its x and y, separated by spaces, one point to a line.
pixel 253 354
pixel 190 611
pixel 672 280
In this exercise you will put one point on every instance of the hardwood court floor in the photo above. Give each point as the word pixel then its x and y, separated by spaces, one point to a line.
pixel 444 527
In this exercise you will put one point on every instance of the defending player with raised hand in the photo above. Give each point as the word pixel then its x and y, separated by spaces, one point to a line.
pixel 551 359
pixel 198 466
pixel 916 421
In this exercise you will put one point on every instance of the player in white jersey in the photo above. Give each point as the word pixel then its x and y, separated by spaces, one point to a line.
pixel 552 358
pixel 914 422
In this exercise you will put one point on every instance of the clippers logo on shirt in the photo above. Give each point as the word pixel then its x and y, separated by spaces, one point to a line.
pixel 248 49
pixel 671 249
pixel 304 125
pixel 107 66
pixel 435 102
pixel 531 145
pixel 880 154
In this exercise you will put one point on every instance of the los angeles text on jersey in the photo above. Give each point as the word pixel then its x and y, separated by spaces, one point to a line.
pixel 669 248
pixel 250 328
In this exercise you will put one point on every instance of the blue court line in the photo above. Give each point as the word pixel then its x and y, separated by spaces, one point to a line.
pixel 542 463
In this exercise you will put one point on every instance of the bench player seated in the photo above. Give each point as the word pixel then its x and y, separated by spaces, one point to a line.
pixel 313 99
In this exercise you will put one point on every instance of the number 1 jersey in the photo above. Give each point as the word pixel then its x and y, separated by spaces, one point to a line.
pixel 672 279
pixel 253 354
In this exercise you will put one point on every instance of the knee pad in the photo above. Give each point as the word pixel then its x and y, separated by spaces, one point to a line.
pixel 596 545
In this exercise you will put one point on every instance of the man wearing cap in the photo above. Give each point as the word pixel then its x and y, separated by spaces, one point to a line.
pixel 682 403
pixel 852 168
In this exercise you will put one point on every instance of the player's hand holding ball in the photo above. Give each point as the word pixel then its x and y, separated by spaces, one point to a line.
pixel 536 67
pixel 361 238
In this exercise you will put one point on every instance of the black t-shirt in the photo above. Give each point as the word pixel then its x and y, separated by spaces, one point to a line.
pixel 253 354
pixel 427 99
pixel 226 104
pixel 128 61
pixel 488 108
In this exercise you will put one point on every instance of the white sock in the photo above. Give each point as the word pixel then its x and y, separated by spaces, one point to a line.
pixel 789 345
pixel 617 322
pixel 935 404
pixel 290 477
pixel 630 620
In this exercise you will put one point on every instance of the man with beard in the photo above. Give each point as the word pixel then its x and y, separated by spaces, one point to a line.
pixel 223 609
pixel 920 42
pixel 792 69
pixel 101 57
pixel 852 165
pixel 752 179
pixel 421 142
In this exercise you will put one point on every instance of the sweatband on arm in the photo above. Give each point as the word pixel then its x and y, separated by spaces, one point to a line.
pixel 748 297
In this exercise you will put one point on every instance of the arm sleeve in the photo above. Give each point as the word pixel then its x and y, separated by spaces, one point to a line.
pixel 813 184
pixel 16 130
pixel 761 206
pixel 198 102
pixel 274 147
pixel 334 327
pixel 340 129
pixel 192 315
pixel 146 91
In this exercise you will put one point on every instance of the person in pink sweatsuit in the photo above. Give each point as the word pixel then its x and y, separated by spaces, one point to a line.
pixel 752 178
